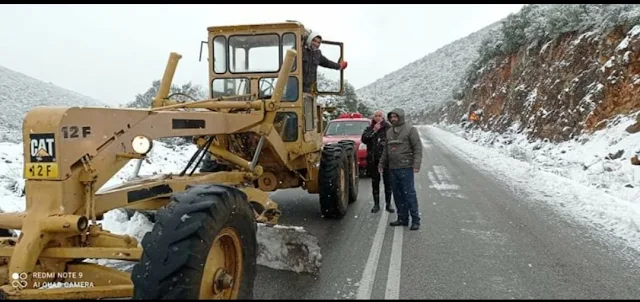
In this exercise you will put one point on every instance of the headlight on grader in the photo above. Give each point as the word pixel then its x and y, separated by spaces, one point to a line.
pixel 141 144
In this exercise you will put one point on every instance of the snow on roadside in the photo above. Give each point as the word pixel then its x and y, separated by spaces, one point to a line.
pixel 163 158
pixel 583 159
pixel 614 215
pixel 11 181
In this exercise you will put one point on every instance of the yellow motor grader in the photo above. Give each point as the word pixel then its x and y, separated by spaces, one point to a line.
pixel 257 125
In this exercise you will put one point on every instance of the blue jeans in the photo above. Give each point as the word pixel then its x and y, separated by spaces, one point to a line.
pixel 404 195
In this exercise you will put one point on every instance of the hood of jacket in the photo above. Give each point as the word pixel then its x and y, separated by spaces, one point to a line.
pixel 400 114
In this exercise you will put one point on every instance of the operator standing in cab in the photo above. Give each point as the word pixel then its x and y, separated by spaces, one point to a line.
pixel 311 58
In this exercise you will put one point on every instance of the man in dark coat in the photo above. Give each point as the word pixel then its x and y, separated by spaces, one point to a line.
pixel 374 136
pixel 403 157
pixel 311 58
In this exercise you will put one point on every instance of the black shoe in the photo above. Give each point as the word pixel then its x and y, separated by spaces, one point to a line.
pixel 375 209
pixel 389 209
pixel 399 223
pixel 414 227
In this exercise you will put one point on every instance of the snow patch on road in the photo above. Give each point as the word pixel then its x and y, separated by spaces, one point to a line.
pixel 288 248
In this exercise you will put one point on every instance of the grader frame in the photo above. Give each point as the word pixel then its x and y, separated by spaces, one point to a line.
pixel 204 242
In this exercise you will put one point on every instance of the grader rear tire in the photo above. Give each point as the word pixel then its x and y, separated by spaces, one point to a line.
pixel 354 173
pixel 333 181
pixel 203 246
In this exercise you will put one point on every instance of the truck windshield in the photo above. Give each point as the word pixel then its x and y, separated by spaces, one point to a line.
pixel 336 128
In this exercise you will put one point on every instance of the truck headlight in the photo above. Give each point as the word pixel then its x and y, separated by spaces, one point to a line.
pixel 141 144
pixel 362 147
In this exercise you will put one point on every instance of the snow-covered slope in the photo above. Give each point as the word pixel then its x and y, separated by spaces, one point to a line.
pixel 600 160
pixel 426 82
pixel 164 158
pixel 19 93
pixel 554 178
pixel 555 88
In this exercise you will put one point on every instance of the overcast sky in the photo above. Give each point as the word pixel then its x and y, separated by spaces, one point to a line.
pixel 113 52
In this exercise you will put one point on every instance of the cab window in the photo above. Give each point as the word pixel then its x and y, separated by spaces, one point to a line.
pixel 254 53
pixel 286 123
pixel 268 85
pixel 230 87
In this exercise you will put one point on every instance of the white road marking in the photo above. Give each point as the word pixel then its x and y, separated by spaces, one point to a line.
pixel 444 177
pixel 395 266
pixel 442 173
pixel 444 187
pixel 453 195
pixel 369 273
pixel 432 178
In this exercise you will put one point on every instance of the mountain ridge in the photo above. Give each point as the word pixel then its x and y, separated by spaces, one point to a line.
pixel 427 82
pixel 20 92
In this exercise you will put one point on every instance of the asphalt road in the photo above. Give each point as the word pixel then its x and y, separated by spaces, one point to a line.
pixel 477 241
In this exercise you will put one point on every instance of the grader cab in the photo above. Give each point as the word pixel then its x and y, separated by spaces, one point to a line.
pixel 260 128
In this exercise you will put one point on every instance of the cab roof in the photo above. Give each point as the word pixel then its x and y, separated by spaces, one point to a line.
pixel 292 25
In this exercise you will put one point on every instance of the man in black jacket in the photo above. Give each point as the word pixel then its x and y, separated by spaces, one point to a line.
pixel 374 136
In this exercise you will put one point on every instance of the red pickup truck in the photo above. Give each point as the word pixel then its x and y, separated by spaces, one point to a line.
pixel 349 126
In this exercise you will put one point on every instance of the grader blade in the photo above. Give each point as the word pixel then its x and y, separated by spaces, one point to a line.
pixel 288 248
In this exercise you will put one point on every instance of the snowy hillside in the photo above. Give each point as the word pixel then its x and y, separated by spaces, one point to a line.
pixel 163 158
pixel 554 72
pixel 426 82
pixel 19 93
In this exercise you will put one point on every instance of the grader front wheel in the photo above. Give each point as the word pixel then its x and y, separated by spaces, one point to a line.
pixel 203 246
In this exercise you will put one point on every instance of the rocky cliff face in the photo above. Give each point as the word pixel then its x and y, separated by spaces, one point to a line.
pixel 556 89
